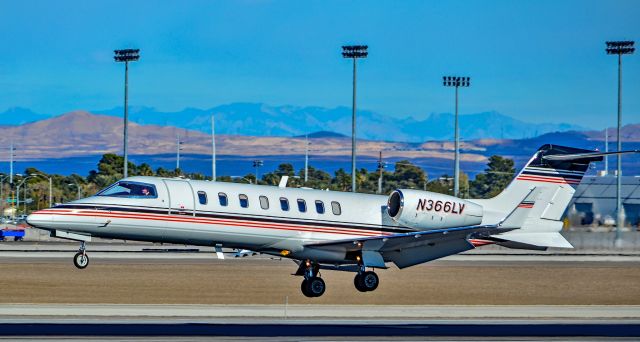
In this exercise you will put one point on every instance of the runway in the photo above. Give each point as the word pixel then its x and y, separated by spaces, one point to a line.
pixel 264 281
pixel 129 293
pixel 339 321
pixel 339 331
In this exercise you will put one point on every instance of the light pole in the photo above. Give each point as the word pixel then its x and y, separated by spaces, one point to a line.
pixel 18 192
pixel 619 48
pixel 77 186
pixel 256 165
pixel 2 200
pixel 306 158
pixel 457 82
pixel 381 166
pixel 178 149
pixel 213 149
pixel 354 52
pixel 126 56
pixel 50 188
pixel 606 150
pixel 11 155
pixel 12 151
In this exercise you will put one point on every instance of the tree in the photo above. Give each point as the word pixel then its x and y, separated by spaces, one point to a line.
pixel 144 170
pixel 409 176
pixel 341 181
pixel 497 176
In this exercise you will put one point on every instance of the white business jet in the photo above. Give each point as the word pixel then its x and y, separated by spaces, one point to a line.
pixel 327 229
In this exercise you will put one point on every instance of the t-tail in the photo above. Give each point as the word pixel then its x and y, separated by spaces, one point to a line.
pixel 554 172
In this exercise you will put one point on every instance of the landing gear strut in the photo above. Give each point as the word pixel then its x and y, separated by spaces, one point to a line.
pixel 366 281
pixel 81 259
pixel 312 285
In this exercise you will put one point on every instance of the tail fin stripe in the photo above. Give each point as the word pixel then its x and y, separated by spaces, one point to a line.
pixel 555 175
pixel 549 179
pixel 542 169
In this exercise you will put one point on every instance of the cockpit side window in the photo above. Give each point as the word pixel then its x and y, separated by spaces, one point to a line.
pixel 130 189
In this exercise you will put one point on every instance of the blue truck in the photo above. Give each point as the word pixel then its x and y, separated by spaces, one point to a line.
pixel 18 235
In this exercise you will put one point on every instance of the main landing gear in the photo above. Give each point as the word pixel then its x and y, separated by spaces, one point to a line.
pixel 366 281
pixel 312 285
pixel 81 259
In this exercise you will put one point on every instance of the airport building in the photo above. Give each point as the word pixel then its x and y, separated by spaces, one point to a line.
pixel 594 203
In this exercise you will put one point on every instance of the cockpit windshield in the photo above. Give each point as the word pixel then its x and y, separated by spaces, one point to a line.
pixel 130 190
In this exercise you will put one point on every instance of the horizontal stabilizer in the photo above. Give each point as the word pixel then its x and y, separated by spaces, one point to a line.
pixel 540 239
pixel 588 155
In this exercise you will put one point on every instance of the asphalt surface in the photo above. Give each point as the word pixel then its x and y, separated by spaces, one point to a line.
pixel 131 294
pixel 323 330
pixel 167 280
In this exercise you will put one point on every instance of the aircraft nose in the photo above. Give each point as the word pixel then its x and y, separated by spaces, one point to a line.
pixel 39 220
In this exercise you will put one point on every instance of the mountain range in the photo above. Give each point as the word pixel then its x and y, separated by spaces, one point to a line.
pixel 258 119
pixel 82 134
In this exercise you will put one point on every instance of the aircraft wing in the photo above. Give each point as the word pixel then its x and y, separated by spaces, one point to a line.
pixel 408 249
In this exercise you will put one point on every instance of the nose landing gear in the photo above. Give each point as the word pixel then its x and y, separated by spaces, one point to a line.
pixel 81 259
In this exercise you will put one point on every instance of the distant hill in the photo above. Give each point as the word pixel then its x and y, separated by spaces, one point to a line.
pixel 80 133
pixel 322 134
pixel 19 116
pixel 263 120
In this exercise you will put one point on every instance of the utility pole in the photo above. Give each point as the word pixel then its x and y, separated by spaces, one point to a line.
pixel 454 81
pixel 619 48
pixel 77 187
pixel 213 149
pixel 11 155
pixel 2 200
pixel 306 158
pixel 178 148
pixel 126 56
pixel 256 165
pixel 354 52
pixel 381 166
pixel 606 150
pixel 51 193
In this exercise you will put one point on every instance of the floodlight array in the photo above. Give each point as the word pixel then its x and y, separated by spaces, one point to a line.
pixel 455 81
pixel 126 55
pixel 355 51
pixel 620 47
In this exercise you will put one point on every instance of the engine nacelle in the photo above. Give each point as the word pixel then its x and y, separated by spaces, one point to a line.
pixel 426 210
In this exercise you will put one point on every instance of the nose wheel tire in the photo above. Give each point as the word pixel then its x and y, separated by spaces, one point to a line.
pixel 366 281
pixel 313 287
pixel 81 260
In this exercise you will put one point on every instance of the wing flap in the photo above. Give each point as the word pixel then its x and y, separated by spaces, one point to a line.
pixel 410 249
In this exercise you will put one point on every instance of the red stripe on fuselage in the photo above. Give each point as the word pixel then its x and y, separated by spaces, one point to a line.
pixel 228 222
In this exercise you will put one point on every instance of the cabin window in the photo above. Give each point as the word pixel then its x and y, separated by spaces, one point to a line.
pixel 130 189
pixel 335 207
pixel 264 202
pixel 222 197
pixel 319 207
pixel 302 205
pixel 244 200
pixel 202 197
pixel 284 204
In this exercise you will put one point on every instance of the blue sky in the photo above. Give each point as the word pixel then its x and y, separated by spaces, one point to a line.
pixel 540 61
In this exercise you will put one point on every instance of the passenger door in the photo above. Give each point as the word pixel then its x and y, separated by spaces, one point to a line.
pixel 181 197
